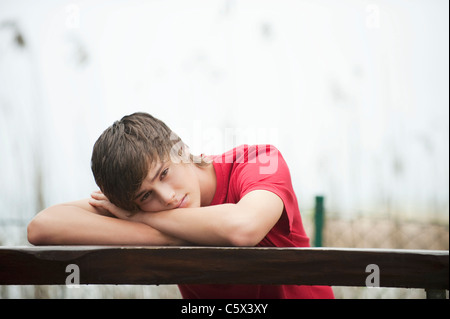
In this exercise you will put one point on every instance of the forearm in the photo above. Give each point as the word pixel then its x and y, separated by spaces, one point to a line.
pixel 75 225
pixel 213 225
pixel 245 223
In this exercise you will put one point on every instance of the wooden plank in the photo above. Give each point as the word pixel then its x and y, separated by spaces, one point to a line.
pixel 220 265
pixel 435 293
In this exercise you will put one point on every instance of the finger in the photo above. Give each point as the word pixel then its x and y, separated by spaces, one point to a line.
pixel 94 202
pixel 100 203
pixel 98 196
pixel 99 207
pixel 104 205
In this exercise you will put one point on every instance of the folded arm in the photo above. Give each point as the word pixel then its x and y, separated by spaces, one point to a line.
pixel 243 224
pixel 79 223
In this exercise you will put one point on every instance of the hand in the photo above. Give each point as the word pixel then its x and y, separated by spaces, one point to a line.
pixel 102 203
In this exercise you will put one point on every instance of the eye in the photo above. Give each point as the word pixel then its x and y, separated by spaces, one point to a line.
pixel 146 195
pixel 164 173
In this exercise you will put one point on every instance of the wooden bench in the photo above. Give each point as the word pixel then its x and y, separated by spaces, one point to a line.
pixel 53 265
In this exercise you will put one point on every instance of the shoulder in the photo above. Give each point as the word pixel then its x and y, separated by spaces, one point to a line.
pixel 252 154
pixel 261 159
pixel 251 163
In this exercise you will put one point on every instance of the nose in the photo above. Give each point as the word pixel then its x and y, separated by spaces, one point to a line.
pixel 167 196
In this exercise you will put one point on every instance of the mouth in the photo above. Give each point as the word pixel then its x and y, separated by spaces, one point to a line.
pixel 183 202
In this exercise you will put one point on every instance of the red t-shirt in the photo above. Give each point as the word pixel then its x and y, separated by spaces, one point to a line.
pixel 240 171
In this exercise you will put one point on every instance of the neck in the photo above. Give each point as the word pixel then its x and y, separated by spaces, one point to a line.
pixel 208 183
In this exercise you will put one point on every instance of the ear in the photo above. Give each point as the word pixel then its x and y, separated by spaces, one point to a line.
pixel 184 153
pixel 180 153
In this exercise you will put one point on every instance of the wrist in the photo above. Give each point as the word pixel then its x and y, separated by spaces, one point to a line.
pixel 140 217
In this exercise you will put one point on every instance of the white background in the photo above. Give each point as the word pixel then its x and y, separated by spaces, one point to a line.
pixel 353 93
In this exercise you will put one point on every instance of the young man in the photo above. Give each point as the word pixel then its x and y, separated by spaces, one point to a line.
pixel 153 192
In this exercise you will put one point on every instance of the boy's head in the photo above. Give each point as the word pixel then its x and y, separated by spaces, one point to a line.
pixel 124 153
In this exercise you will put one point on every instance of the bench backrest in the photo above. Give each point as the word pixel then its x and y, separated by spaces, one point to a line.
pixel 222 265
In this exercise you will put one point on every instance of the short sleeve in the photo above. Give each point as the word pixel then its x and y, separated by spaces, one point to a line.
pixel 262 167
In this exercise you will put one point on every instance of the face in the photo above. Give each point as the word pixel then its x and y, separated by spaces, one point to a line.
pixel 169 185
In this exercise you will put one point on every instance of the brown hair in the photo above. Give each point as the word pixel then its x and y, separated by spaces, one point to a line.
pixel 125 151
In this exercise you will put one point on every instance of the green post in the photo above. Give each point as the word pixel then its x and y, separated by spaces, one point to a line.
pixel 319 217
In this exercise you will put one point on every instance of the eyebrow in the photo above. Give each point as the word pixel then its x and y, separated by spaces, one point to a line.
pixel 151 181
